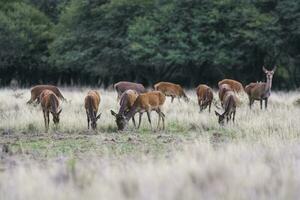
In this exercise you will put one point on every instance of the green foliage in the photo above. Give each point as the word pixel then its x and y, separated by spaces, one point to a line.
pixel 101 42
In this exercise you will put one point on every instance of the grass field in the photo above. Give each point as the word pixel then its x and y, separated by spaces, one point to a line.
pixel 258 157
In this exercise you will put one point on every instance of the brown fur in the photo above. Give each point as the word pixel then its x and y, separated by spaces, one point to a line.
pixel 235 85
pixel 205 96
pixel 122 86
pixel 126 102
pixel 91 105
pixel 50 104
pixel 260 91
pixel 223 88
pixel 172 90
pixel 146 102
pixel 229 104
pixel 38 89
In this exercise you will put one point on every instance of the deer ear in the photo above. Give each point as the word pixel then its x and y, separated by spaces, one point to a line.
pixel 113 113
pixel 98 117
pixel 264 69
pixel 217 113
pixel 274 69
pixel 59 111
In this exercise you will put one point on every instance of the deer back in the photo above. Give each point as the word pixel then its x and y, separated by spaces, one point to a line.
pixel 127 100
pixel 49 101
pixel 122 86
pixel 92 101
pixel 235 85
pixel 223 88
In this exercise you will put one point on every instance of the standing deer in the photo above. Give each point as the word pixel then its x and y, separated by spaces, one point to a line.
pixel 235 85
pixel 205 96
pixel 50 104
pixel 126 102
pixel 229 104
pixel 38 89
pixel 147 102
pixel 91 105
pixel 260 91
pixel 122 86
pixel 172 90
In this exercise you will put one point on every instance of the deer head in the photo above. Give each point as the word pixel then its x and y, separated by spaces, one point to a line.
pixel 120 120
pixel 94 121
pixel 269 74
pixel 221 117
pixel 56 116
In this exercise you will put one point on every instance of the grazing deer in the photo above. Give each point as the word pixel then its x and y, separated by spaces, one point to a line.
pixel 235 85
pixel 222 91
pixel 260 91
pixel 50 104
pixel 126 102
pixel 122 86
pixel 229 104
pixel 172 90
pixel 91 105
pixel 38 89
pixel 205 96
pixel 146 102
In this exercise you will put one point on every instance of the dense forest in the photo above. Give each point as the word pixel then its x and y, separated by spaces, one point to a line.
pixel 99 42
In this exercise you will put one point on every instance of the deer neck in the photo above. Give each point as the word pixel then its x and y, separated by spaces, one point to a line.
pixel 53 104
pixel 268 85
pixel 131 112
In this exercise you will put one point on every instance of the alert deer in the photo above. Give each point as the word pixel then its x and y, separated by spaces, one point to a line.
pixel 235 85
pixel 126 102
pixel 50 104
pixel 122 86
pixel 38 89
pixel 91 105
pixel 172 90
pixel 205 96
pixel 260 91
pixel 146 102
pixel 229 104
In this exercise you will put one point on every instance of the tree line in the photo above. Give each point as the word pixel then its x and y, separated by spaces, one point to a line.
pixel 100 42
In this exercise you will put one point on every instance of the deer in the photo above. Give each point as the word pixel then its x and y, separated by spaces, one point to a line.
pixel 205 96
pixel 122 86
pixel 229 103
pixel 235 85
pixel 50 104
pixel 146 102
pixel 223 88
pixel 260 91
pixel 172 90
pixel 127 100
pixel 38 89
pixel 91 105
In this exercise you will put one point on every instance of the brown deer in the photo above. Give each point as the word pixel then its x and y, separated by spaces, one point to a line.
pixel 126 102
pixel 235 85
pixel 91 105
pixel 146 102
pixel 38 89
pixel 262 90
pixel 229 103
pixel 205 96
pixel 172 90
pixel 222 91
pixel 50 104
pixel 122 86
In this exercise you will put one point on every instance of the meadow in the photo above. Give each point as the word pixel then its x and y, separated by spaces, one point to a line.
pixel 257 157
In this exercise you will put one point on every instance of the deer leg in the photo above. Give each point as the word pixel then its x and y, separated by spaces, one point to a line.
pixel 140 119
pixel 48 117
pixel 88 119
pixel 45 119
pixel 209 106
pixel 163 119
pixel 149 118
pixel 266 103
pixel 233 117
pixel 133 121
pixel 172 99
pixel 159 116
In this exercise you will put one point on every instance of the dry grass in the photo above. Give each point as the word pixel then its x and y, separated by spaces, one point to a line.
pixel 255 158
